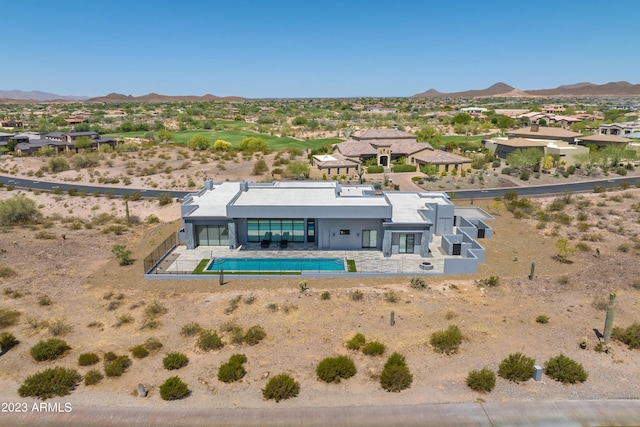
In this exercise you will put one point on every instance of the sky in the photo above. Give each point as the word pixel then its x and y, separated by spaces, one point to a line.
pixel 314 48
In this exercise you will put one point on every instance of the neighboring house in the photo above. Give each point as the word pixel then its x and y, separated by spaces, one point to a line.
pixel 501 147
pixel 328 165
pixel 11 123
pixel 602 140
pixel 544 132
pixel 474 110
pixel 553 108
pixel 620 129
pixel 389 145
pixel 325 215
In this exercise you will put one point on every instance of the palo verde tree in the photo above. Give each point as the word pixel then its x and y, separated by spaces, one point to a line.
pixel 122 254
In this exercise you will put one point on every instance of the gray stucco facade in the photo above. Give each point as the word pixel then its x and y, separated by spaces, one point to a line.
pixel 330 216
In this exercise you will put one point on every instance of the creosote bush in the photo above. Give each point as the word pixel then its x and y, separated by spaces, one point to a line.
pixel 50 383
pixel 93 377
pixel 446 341
pixel 542 318
pixel 49 349
pixel 233 370
pixel 281 387
pixel 566 370
pixel 8 317
pixel 629 335
pixel 7 342
pixel 333 369
pixel 139 351
pixel 173 389
pixel 175 360
pixel 209 340
pixel 117 366
pixel 373 348
pixel 356 342
pixel 395 375
pixel 417 283
pixel 516 367
pixel 190 329
pixel 254 335
pixel 87 359
pixel 482 381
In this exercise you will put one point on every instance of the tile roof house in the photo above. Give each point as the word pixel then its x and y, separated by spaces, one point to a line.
pixel 601 140
pixel 544 132
pixel 388 145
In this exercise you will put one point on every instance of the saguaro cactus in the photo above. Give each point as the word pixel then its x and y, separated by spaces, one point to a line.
pixel 533 270
pixel 393 317
pixel 608 323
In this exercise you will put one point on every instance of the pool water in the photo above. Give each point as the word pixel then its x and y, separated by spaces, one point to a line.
pixel 277 264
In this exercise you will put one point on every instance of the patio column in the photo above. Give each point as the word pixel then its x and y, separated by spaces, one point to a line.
pixel 233 237
pixel 424 244
pixel 386 243
pixel 190 239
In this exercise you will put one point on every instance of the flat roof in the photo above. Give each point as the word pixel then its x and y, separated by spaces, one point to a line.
pixel 406 206
pixel 472 213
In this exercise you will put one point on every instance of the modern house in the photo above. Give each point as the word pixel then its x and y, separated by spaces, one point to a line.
pixel 325 215
pixel 544 132
pixel 602 140
pixel 619 129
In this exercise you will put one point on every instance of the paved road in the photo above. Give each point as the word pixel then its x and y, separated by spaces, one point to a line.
pixel 404 180
pixel 530 413
pixel 52 186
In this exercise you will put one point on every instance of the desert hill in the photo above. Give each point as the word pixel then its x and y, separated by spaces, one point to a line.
pixel 578 89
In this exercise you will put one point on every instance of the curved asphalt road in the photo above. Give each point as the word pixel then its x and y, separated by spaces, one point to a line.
pixel 569 413
pixel 36 184
pixel 537 190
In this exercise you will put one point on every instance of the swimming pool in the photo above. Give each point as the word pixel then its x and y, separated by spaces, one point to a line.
pixel 277 264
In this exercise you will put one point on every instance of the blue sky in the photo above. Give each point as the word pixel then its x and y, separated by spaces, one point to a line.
pixel 348 48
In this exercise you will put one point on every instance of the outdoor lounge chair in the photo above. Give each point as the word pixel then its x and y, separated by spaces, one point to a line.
pixel 285 240
pixel 266 241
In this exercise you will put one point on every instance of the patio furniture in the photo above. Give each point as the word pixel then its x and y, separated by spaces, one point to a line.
pixel 266 241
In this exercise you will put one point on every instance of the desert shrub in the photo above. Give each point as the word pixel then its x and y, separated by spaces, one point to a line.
pixel 233 370
pixel 8 317
pixel 152 344
pixel 174 360
pixel 356 295
pixel 18 210
pixel 6 271
pixel 491 281
pixel 49 349
pixel 395 375
pixel 482 381
pixel 542 318
pixel 59 327
pixel 373 348
pixel 44 300
pixel 516 367
pixel 116 367
pixel 165 199
pixel 391 297
pixel 50 383
pixel 110 356
pixel 326 295
pixel 87 359
pixel 254 335
pixel 190 329
pixel 139 351
pixel 122 254
pixel 332 369
pixel 155 309
pixel 356 342
pixel 93 377
pixel 566 370
pixel 7 342
pixel 173 389
pixel 629 335
pixel 446 341
pixel 599 189
pixel 375 169
pixel 417 283
pixel 281 387
pixel 209 340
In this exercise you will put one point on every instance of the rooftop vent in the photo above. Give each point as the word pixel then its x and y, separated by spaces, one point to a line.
pixel 535 128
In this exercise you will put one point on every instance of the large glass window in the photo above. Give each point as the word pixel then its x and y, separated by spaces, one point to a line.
pixel 369 238
pixel 406 243
pixel 212 235
pixel 289 229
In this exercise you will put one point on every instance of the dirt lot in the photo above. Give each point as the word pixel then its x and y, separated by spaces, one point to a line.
pixel 68 258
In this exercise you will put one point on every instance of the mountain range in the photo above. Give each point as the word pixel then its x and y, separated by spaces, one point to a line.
pixel 578 89
pixel 497 90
